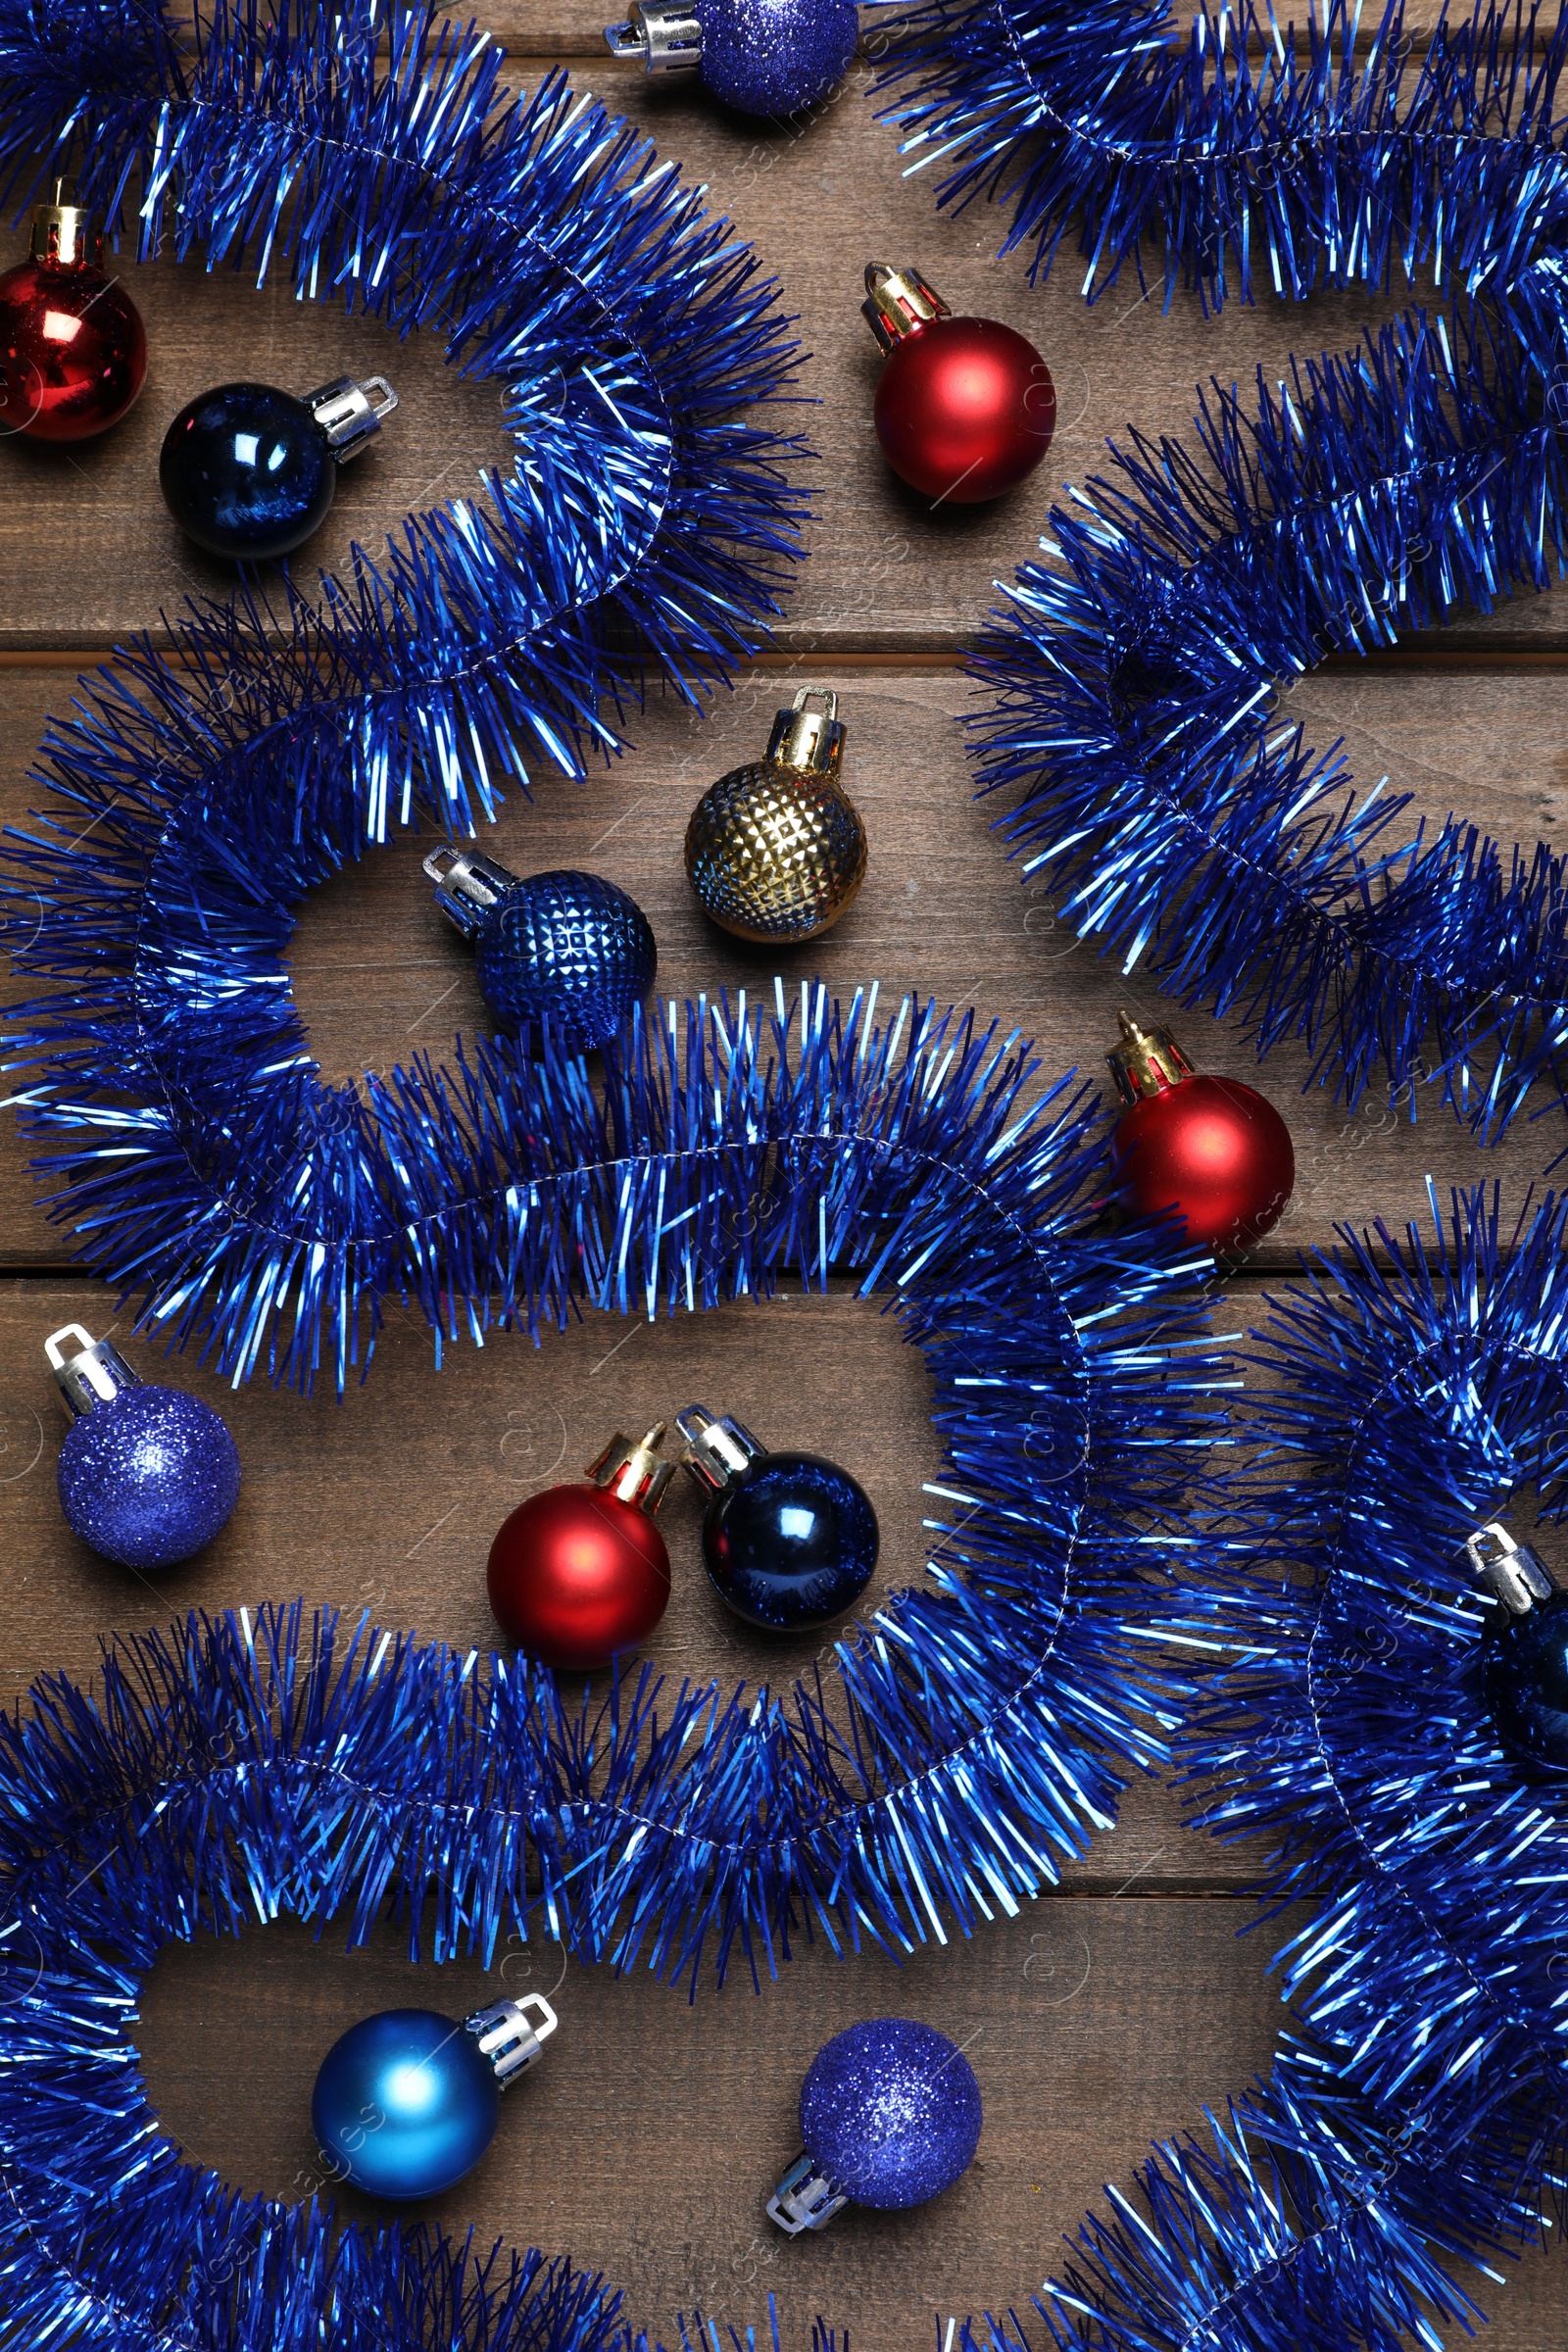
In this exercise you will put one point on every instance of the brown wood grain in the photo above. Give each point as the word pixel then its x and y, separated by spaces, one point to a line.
pixel 379 975
pixel 1106 2015
pixel 820 200
pixel 647 2141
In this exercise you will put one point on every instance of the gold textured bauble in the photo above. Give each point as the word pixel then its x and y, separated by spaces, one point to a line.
pixel 776 850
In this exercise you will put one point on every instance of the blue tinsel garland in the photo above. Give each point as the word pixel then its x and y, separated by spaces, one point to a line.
pixel 1181 817
pixel 982 1726
pixel 201 789
pixel 1419 2108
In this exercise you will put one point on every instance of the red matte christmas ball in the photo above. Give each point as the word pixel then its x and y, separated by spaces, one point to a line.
pixel 965 408
pixel 1213 1148
pixel 72 347
pixel 580 1572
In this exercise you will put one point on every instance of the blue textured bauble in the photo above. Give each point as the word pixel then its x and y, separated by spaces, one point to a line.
pixel 569 948
pixel 891 2112
pixel 774 57
pixel 405 2103
pixel 247 471
pixel 793 1544
pixel 1524 1675
pixel 150 1476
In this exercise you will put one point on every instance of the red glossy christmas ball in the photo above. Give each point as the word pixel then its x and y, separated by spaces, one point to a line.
pixel 72 347
pixel 965 408
pixel 1216 1151
pixel 580 1572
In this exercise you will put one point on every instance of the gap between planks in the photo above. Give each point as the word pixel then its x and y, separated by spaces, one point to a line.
pixel 1523 660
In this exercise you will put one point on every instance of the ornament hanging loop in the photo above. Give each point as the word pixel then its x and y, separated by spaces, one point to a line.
pixel 511 2040
pixel 812 740
pixel 63 232
pixel 665 40
pixel 1516 1577
pixel 899 304
pixel 350 412
pixel 94 1374
pixel 467 885
pixel 804 2198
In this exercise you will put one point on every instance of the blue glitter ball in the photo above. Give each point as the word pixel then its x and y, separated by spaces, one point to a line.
pixel 891 2112
pixel 793 1544
pixel 569 947
pixel 149 1477
pixel 246 472
pixel 774 57
pixel 405 2103
pixel 1524 1676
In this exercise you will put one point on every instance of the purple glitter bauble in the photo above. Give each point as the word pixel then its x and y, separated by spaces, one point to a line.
pixel 568 948
pixel 774 57
pixel 891 2112
pixel 149 1477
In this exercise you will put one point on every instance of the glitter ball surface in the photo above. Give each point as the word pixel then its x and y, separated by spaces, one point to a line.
pixel 891 2112
pixel 149 1478
pixel 774 57
pixel 568 948
pixel 775 854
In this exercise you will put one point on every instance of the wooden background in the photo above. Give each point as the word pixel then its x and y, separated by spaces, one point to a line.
pixel 1107 2015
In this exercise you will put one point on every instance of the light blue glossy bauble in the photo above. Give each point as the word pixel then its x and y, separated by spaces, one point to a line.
pixel 890 2112
pixel 405 2103
pixel 774 57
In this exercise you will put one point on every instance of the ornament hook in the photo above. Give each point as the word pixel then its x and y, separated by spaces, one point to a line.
pixel 665 39
pixel 509 2039
pixel 93 1375
pixel 1517 1577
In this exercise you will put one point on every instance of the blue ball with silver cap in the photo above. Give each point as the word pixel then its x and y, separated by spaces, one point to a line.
pixel 1524 1661
pixel 565 948
pixel 762 56
pixel 148 1475
pixel 789 1541
pixel 406 2102
pixel 249 472
pixel 890 2116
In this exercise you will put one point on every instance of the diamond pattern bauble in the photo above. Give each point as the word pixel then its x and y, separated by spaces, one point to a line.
pixel 776 850
pixel 565 948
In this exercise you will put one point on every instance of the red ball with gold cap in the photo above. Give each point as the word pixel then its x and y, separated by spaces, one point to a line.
pixel 1211 1147
pixel 580 1572
pixel 72 347
pixel 965 408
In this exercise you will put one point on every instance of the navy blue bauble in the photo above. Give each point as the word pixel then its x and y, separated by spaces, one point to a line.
pixel 789 1539
pixel 565 947
pixel 247 473
pixel 147 1474
pixel 774 57
pixel 1524 1674
pixel 405 2103
pixel 891 2113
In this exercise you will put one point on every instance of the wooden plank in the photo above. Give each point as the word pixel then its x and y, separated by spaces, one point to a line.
pixel 820 199
pixel 387 1503
pixel 379 975
pixel 648 2140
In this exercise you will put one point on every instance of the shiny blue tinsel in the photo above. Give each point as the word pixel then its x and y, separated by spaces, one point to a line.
pixel 1418 2111
pixel 963 1747
pixel 201 789
pixel 1134 680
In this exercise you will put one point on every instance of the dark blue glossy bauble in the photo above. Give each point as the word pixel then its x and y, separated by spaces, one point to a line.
pixel 405 2103
pixel 891 2112
pixel 792 1543
pixel 568 948
pixel 247 471
pixel 1524 1675
pixel 774 57
pixel 150 1476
